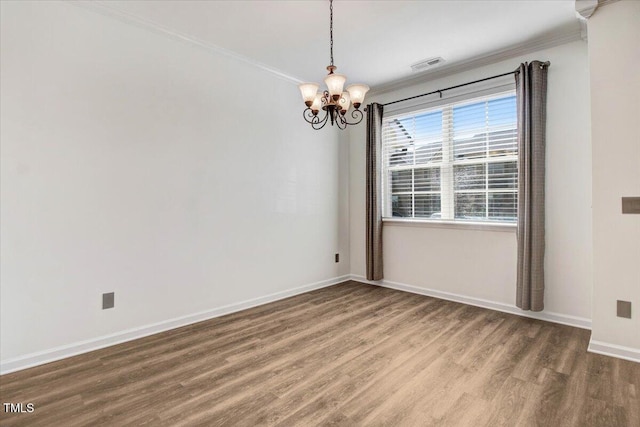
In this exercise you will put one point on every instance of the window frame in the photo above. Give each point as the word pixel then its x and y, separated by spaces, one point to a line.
pixel 446 165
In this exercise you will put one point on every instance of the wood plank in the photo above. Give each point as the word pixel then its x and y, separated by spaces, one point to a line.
pixel 346 355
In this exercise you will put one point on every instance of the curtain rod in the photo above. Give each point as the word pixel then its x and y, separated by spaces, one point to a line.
pixel 449 88
pixel 543 64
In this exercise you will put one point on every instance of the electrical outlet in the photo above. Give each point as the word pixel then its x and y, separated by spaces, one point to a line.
pixel 337 257
pixel 108 300
pixel 624 309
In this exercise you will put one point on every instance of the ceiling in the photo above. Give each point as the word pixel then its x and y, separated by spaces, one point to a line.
pixel 375 42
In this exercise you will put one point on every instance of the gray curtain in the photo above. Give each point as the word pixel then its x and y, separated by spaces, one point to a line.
pixel 374 199
pixel 531 95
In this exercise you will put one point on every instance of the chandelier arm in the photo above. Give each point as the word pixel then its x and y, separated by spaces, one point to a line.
pixel 341 121
pixel 357 115
pixel 320 123
pixel 308 115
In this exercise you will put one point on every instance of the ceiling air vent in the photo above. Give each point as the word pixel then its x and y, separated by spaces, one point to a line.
pixel 426 64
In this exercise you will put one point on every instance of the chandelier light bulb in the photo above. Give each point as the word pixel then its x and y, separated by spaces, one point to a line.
pixel 335 83
pixel 344 102
pixel 308 91
pixel 317 103
pixel 357 92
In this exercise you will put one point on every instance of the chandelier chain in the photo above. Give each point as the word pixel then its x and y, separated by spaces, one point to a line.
pixel 331 28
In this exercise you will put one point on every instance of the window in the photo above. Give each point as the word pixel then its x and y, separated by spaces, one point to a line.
pixel 454 162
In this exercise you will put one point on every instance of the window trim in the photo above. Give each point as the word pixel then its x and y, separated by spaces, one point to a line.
pixel 447 105
pixel 510 227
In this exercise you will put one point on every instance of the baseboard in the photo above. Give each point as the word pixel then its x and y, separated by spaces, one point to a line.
pixel 613 350
pixel 564 319
pixel 62 352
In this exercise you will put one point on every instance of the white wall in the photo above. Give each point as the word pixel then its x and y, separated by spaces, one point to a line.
pixel 135 163
pixel 131 163
pixel 614 58
pixel 481 264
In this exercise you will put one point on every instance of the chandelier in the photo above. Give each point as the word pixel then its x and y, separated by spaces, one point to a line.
pixel 334 101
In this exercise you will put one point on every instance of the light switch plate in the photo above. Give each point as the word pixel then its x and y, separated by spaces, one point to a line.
pixel 631 205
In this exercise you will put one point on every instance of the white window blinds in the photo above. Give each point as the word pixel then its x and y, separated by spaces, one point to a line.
pixel 454 162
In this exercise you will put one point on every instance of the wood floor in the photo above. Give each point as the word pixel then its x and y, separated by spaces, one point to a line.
pixel 348 355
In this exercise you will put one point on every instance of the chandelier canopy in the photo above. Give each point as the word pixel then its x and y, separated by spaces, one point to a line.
pixel 333 101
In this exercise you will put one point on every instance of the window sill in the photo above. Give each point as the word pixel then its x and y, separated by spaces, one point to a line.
pixel 483 226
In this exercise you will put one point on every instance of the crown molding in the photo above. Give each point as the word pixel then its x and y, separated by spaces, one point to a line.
pixel 109 10
pixel 605 2
pixel 553 39
pixel 585 8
